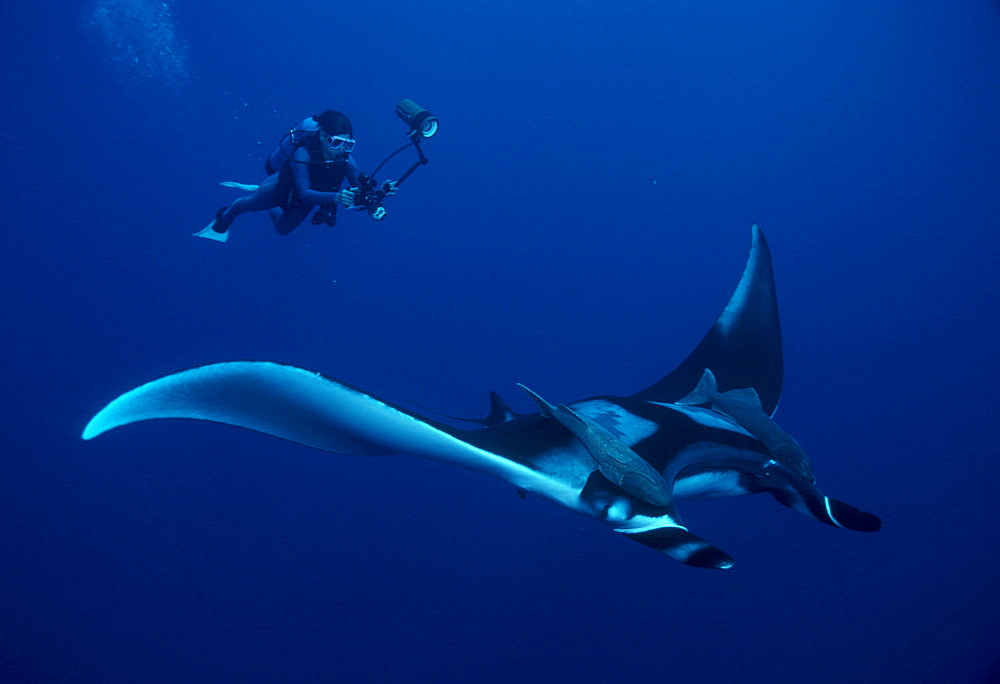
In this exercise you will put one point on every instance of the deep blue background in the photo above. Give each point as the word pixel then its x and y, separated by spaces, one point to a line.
pixel 584 217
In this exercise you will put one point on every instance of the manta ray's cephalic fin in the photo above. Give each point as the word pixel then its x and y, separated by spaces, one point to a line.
pixel 679 543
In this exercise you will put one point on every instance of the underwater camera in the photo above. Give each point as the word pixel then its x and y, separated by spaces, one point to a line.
pixel 369 197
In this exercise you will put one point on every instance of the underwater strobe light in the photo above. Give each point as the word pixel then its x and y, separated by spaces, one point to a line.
pixel 422 123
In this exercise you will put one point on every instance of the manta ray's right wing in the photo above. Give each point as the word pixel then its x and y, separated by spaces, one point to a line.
pixel 743 347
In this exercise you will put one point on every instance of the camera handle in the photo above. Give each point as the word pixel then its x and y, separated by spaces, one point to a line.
pixel 420 162
pixel 415 141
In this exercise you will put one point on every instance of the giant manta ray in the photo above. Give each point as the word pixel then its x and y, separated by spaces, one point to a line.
pixel 704 430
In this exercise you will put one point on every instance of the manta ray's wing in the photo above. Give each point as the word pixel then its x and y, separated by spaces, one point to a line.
pixel 307 408
pixel 743 347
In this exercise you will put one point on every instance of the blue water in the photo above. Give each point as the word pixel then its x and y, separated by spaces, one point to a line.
pixel 584 216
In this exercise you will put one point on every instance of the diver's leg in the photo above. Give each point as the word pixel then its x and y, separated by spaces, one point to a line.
pixel 265 197
pixel 288 219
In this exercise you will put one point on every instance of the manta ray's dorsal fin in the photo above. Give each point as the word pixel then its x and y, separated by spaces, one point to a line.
pixel 743 347
pixel 499 413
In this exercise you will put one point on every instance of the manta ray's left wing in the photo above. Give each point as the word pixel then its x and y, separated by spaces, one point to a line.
pixel 307 408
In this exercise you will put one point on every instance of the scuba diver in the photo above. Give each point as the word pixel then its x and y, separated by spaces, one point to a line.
pixel 306 170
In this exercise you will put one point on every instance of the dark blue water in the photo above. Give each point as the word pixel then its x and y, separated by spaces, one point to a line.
pixel 585 214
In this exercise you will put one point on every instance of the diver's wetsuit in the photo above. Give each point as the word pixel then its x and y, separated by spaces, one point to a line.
pixel 289 194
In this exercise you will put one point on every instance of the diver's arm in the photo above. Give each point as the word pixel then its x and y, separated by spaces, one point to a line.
pixel 300 173
pixel 352 173
pixel 351 176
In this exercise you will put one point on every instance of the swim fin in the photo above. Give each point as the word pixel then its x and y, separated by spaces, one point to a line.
pixel 247 187
pixel 210 233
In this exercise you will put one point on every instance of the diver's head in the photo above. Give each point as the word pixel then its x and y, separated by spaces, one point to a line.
pixel 335 123
pixel 337 134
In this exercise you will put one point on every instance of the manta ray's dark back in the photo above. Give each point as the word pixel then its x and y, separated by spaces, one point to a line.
pixel 743 347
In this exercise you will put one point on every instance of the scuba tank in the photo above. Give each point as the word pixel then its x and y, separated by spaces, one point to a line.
pixel 282 154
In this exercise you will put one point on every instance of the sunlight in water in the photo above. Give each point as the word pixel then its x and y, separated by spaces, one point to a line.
pixel 141 39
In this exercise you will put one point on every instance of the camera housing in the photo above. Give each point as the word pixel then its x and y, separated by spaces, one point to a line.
pixel 369 197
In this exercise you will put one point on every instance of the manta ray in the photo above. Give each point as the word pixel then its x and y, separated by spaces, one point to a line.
pixel 704 430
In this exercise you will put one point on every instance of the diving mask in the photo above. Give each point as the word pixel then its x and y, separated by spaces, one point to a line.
pixel 341 142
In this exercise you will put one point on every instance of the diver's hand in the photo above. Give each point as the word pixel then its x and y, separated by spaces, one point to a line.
pixel 389 188
pixel 346 197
